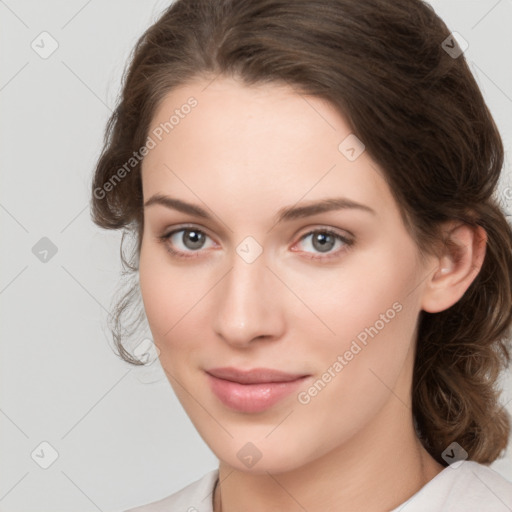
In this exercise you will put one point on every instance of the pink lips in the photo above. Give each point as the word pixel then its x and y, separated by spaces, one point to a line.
pixel 252 391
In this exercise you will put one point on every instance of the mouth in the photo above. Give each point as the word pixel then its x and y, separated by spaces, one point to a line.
pixel 254 376
pixel 252 391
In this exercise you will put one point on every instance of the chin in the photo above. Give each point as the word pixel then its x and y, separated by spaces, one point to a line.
pixel 267 457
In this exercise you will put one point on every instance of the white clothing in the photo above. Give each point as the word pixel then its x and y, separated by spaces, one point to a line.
pixel 466 487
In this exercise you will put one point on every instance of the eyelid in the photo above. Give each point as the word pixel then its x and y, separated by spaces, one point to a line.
pixel 344 233
pixel 182 227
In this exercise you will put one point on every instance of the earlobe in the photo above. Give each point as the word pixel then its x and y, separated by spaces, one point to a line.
pixel 456 268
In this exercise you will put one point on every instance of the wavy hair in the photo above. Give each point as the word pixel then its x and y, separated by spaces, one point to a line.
pixel 393 70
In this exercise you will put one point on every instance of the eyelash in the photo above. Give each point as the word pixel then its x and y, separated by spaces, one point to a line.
pixel 195 254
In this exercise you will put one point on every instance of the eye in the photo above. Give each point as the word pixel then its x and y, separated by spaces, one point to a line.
pixel 323 240
pixel 187 240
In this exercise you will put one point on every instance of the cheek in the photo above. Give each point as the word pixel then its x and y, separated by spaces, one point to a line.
pixel 162 290
pixel 368 314
pixel 172 297
pixel 373 317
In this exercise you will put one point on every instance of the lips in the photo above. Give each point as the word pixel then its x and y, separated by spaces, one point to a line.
pixel 252 391
pixel 253 376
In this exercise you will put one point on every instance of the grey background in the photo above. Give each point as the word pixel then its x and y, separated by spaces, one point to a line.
pixel 121 435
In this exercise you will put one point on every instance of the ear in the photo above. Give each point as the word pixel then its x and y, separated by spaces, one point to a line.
pixel 456 267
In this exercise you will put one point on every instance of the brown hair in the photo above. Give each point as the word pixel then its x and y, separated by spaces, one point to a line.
pixel 422 118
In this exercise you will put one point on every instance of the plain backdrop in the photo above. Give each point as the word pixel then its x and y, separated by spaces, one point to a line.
pixel 117 433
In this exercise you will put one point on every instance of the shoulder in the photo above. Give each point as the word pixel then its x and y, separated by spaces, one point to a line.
pixel 459 488
pixel 195 497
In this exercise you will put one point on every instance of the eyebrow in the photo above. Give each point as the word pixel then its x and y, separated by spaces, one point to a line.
pixel 284 214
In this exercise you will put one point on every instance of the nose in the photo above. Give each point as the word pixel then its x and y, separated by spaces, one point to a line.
pixel 248 304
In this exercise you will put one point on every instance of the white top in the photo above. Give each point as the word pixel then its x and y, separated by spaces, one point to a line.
pixel 465 487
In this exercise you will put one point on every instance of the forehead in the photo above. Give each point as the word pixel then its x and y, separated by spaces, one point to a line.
pixel 265 140
pixel 226 108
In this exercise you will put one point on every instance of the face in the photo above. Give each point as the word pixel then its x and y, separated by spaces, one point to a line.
pixel 254 278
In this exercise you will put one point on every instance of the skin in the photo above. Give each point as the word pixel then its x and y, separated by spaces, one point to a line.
pixel 242 154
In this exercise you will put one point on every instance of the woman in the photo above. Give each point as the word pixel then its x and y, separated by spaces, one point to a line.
pixel 323 263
